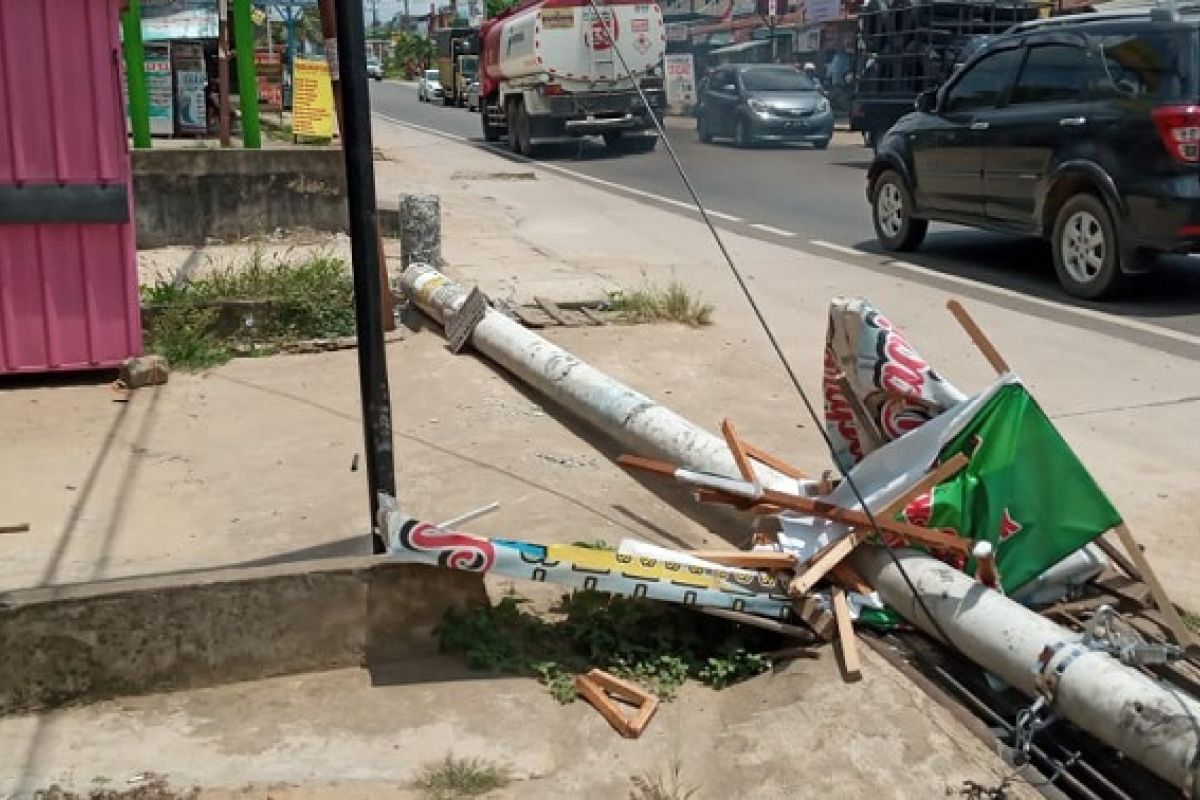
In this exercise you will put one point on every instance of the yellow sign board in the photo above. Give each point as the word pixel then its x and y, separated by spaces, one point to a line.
pixel 312 99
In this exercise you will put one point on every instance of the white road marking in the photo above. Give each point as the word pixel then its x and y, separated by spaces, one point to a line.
pixel 1100 316
pixel 837 248
pixel 1109 319
pixel 572 173
pixel 422 128
pixel 770 229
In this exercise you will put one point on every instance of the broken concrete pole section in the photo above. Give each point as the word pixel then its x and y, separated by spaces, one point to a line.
pixel 629 416
pixel 420 229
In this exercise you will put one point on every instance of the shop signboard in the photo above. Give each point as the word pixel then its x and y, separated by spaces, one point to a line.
pixel 164 20
pixel 681 79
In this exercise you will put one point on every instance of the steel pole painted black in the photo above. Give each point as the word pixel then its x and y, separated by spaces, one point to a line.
pixel 364 251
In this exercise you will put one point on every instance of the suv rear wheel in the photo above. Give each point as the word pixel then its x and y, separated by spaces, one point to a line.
pixel 1086 252
pixel 891 211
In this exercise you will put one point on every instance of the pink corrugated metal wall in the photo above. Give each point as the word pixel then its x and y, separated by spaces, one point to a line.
pixel 68 290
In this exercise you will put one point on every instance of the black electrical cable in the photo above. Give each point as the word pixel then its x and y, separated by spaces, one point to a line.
pixel 766 327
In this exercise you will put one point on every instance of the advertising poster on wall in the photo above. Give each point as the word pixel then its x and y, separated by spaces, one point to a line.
pixel 158 88
pixel 681 80
pixel 312 102
pixel 191 79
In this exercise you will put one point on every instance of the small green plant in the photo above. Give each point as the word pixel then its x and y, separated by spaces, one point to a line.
pixel 454 778
pixel 184 334
pixel 1192 620
pixel 657 645
pixel 676 303
pixel 666 785
pixel 287 300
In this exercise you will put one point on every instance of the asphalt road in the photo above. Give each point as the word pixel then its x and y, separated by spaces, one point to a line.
pixel 815 201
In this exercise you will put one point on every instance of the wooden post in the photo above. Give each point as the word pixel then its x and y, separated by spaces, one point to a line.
pixel 1183 636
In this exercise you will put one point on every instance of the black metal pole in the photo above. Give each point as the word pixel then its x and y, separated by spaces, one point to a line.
pixel 364 251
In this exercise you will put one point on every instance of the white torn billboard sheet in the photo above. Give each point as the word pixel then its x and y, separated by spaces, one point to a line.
pixel 893 387
pixel 884 474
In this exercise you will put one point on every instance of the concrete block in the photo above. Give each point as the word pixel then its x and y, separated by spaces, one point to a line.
pixel 84 642
pixel 420 230
pixel 189 196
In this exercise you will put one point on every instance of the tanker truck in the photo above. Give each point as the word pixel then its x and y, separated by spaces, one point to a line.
pixel 550 73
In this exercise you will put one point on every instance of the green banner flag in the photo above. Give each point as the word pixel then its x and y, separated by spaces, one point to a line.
pixel 1023 490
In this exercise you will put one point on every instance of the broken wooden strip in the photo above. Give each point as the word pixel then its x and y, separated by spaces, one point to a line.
pixel 742 618
pixel 23 527
pixel 646 703
pixel 592 315
pixel 608 709
pixel 816 616
pixel 825 561
pixel 978 337
pixel 1117 557
pixel 648 465
pixel 851 666
pixel 848 578
pixel 930 537
pixel 531 317
pixel 738 450
pixel 555 313
pixel 774 462
pixel 944 471
pixel 1131 589
pixel 872 438
pixel 752 559
pixel 1180 632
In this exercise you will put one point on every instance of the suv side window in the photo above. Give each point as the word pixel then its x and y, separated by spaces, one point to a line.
pixel 984 84
pixel 1150 65
pixel 721 78
pixel 1052 73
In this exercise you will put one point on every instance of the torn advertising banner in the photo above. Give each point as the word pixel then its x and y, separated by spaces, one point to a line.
pixel 889 381
pixel 1024 489
pixel 680 579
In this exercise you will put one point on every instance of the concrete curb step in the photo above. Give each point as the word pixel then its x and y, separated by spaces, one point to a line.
pixel 85 642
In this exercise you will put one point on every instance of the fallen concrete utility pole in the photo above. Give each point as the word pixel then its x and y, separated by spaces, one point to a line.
pixel 1150 722
pixel 629 416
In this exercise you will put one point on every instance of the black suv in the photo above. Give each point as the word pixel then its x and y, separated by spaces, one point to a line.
pixel 1084 130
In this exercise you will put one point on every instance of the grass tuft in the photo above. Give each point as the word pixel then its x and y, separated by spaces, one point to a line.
pixel 658 645
pixel 454 778
pixel 200 323
pixel 675 303
pixel 666 785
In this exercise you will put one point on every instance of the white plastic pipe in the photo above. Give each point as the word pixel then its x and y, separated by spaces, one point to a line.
pixel 1150 722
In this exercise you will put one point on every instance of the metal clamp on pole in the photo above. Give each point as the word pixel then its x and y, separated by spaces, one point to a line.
pixel 1106 632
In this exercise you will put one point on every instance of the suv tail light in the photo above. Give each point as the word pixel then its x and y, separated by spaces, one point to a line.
pixel 551 89
pixel 1179 127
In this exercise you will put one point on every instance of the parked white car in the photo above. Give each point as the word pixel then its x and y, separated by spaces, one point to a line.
pixel 473 96
pixel 374 69
pixel 430 86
